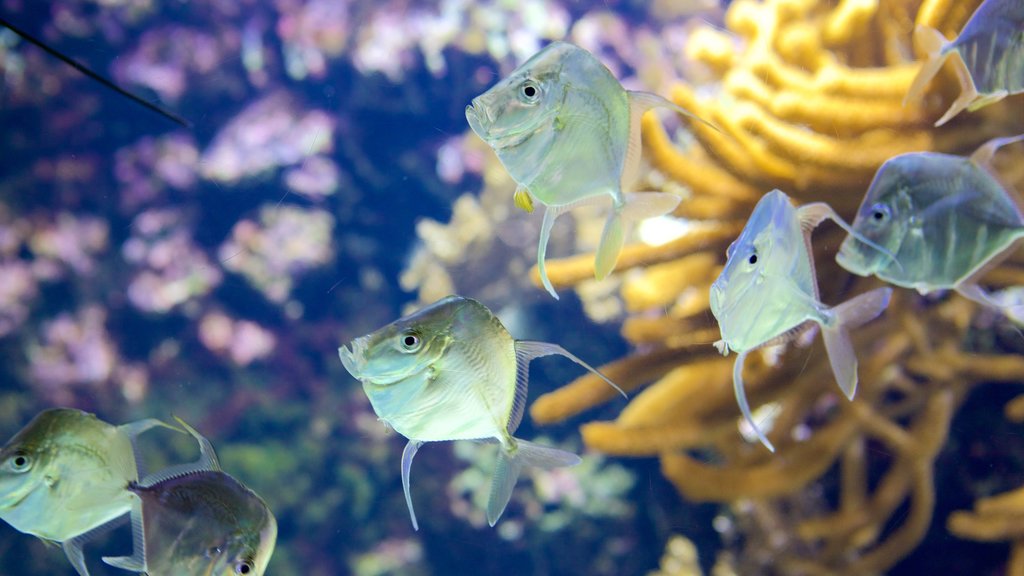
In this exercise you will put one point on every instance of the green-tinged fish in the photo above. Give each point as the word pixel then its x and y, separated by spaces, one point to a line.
pixel 768 293
pixel 196 520
pixel 568 132
pixel 64 475
pixel 988 56
pixel 451 371
pixel 945 219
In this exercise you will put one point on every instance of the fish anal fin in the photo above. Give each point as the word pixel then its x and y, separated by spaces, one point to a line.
pixel 510 463
pixel 612 238
pixel 931 43
pixel 407 455
pixel 968 93
pixel 849 315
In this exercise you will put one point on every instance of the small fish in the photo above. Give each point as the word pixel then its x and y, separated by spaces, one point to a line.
pixel 451 371
pixel 988 57
pixel 64 475
pixel 568 132
pixel 194 519
pixel 768 293
pixel 946 219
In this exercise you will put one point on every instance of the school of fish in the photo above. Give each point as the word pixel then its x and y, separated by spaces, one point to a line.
pixel 568 133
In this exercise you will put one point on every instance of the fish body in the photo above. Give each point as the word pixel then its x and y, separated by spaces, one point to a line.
pixel 451 371
pixel 65 473
pixel 568 132
pixel 943 217
pixel 195 519
pixel 767 293
pixel 988 56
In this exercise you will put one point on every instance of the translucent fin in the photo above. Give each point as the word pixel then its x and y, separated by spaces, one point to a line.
pixel 977 294
pixel 612 238
pixel 968 93
pixel 522 199
pixel 851 314
pixel 73 546
pixel 931 42
pixel 645 101
pixel 137 561
pixel 132 430
pixel 741 399
pixel 641 205
pixel 811 215
pixel 507 470
pixel 207 461
pixel 983 155
pixel 527 350
pixel 407 455
pixel 983 100
pixel 542 247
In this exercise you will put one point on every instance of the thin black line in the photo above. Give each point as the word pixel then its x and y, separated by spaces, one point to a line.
pixel 95 76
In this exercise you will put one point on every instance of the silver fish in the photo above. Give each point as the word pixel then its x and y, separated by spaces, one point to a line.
pixel 568 132
pixel 768 294
pixel 451 371
pixel 945 218
pixel 988 56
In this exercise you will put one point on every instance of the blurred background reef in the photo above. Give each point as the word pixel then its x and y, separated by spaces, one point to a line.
pixel 330 183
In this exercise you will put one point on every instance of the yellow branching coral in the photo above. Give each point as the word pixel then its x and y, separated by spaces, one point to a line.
pixel 810 101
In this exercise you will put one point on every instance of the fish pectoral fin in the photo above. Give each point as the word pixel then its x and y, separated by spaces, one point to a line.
pixel 930 42
pixel 741 400
pixel 407 455
pixel 527 350
pixel 851 314
pixel 507 469
pixel 968 93
pixel 522 199
pixel 550 214
pixel 612 238
pixel 642 205
pixel 73 546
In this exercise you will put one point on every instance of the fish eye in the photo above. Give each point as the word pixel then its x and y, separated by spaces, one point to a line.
pixel 529 92
pixel 410 342
pixel 880 212
pixel 20 462
pixel 752 259
pixel 244 567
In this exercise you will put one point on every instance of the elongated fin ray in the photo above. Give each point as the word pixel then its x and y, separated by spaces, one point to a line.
pixel 811 215
pixel 132 430
pixel 527 350
pixel 95 76
pixel 407 455
pixel 207 461
pixel 550 214
pixel 741 400
pixel 510 464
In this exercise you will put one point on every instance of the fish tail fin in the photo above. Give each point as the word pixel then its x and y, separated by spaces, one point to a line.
pixel 507 470
pixel 968 98
pixel 637 206
pixel 542 248
pixel 849 315
pixel 137 561
pixel 931 43
pixel 741 400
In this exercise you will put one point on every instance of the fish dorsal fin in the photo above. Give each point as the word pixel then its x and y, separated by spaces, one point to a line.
pixel 527 350
pixel 931 42
pixel 811 215
pixel 407 455
pixel 132 430
pixel 137 561
pixel 207 461
pixel 73 546
pixel 983 155
pixel 639 103
pixel 522 199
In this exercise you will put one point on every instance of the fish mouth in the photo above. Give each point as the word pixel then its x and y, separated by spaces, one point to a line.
pixel 476 122
pixel 354 357
pixel 851 259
